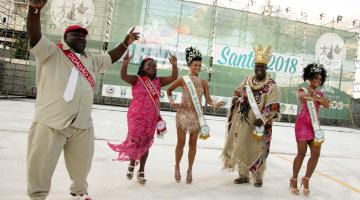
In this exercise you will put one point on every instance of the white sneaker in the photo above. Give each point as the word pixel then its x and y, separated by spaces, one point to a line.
pixel 81 197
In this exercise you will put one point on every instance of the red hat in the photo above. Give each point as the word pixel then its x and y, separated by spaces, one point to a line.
pixel 75 28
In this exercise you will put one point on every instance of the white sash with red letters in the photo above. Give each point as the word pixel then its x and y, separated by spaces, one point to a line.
pixel 155 97
pixel 79 66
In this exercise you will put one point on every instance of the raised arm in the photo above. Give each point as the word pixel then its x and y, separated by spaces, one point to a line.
pixel 169 79
pixel 33 25
pixel 124 75
pixel 323 100
pixel 303 96
pixel 119 51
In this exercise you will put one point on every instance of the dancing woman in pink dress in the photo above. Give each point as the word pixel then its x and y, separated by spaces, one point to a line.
pixel 304 131
pixel 142 115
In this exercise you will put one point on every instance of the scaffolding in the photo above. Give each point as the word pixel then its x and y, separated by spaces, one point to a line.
pixel 357 71
pixel 14 48
pixel 177 24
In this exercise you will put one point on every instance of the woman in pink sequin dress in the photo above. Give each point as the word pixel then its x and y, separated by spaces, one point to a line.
pixel 304 133
pixel 142 115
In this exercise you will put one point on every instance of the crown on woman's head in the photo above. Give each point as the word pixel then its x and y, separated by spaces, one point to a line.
pixel 192 53
pixel 316 68
pixel 262 54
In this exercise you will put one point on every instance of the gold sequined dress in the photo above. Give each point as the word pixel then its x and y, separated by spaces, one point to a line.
pixel 186 116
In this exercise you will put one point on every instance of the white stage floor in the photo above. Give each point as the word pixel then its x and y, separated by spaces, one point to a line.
pixel 336 177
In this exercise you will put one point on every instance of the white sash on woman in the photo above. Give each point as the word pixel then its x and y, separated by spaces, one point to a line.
pixel 259 131
pixel 204 128
pixel 319 134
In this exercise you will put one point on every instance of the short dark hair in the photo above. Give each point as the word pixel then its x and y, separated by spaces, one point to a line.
pixel 311 70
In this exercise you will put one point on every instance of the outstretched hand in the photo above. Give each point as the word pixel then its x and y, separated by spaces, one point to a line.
pixel 119 51
pixel 127 59
pixel 324 102
pixel 172 59
pixel 131 37
pixel 175 106
pixel 259 122
pixel 219 104
pixel 38 4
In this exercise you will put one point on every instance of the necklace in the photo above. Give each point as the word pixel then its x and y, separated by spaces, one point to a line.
pixel 312 90
pixel 255 85
pixel 256 82
pixel 193 76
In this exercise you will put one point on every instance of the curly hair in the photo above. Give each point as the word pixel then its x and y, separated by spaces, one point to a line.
pixel 311 70
pixel 141 71
pixel 192 54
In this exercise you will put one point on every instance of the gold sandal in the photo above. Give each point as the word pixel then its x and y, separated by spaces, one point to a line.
pixel 177 174
pixel 292 189
pixel 306 191
pixel 189 177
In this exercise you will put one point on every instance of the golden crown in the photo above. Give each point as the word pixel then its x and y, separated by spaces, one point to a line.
pixel 262 54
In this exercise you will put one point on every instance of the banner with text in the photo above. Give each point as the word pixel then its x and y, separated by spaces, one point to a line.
pixel 244 59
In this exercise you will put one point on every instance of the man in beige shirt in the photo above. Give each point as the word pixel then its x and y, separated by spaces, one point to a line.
pixel 64 100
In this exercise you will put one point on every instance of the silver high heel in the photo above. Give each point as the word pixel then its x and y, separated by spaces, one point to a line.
pixel 141 179
pixel 130 174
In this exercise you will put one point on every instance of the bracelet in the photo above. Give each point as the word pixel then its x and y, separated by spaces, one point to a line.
pixel 124 45
pixel 34 10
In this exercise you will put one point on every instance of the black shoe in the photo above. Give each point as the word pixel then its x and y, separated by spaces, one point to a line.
pixel 241 180
pixel 258 183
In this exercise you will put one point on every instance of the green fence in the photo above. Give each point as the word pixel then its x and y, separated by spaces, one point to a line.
pixel 171 26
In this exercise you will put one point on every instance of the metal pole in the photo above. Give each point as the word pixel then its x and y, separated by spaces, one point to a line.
pixel 145 19
pixel 341 69
pixel 181 11
pixel 210 67
pixel 211 46
pixel 7 13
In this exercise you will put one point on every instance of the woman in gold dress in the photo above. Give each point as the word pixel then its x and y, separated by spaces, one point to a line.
pixel 187 119
pixel 242 147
